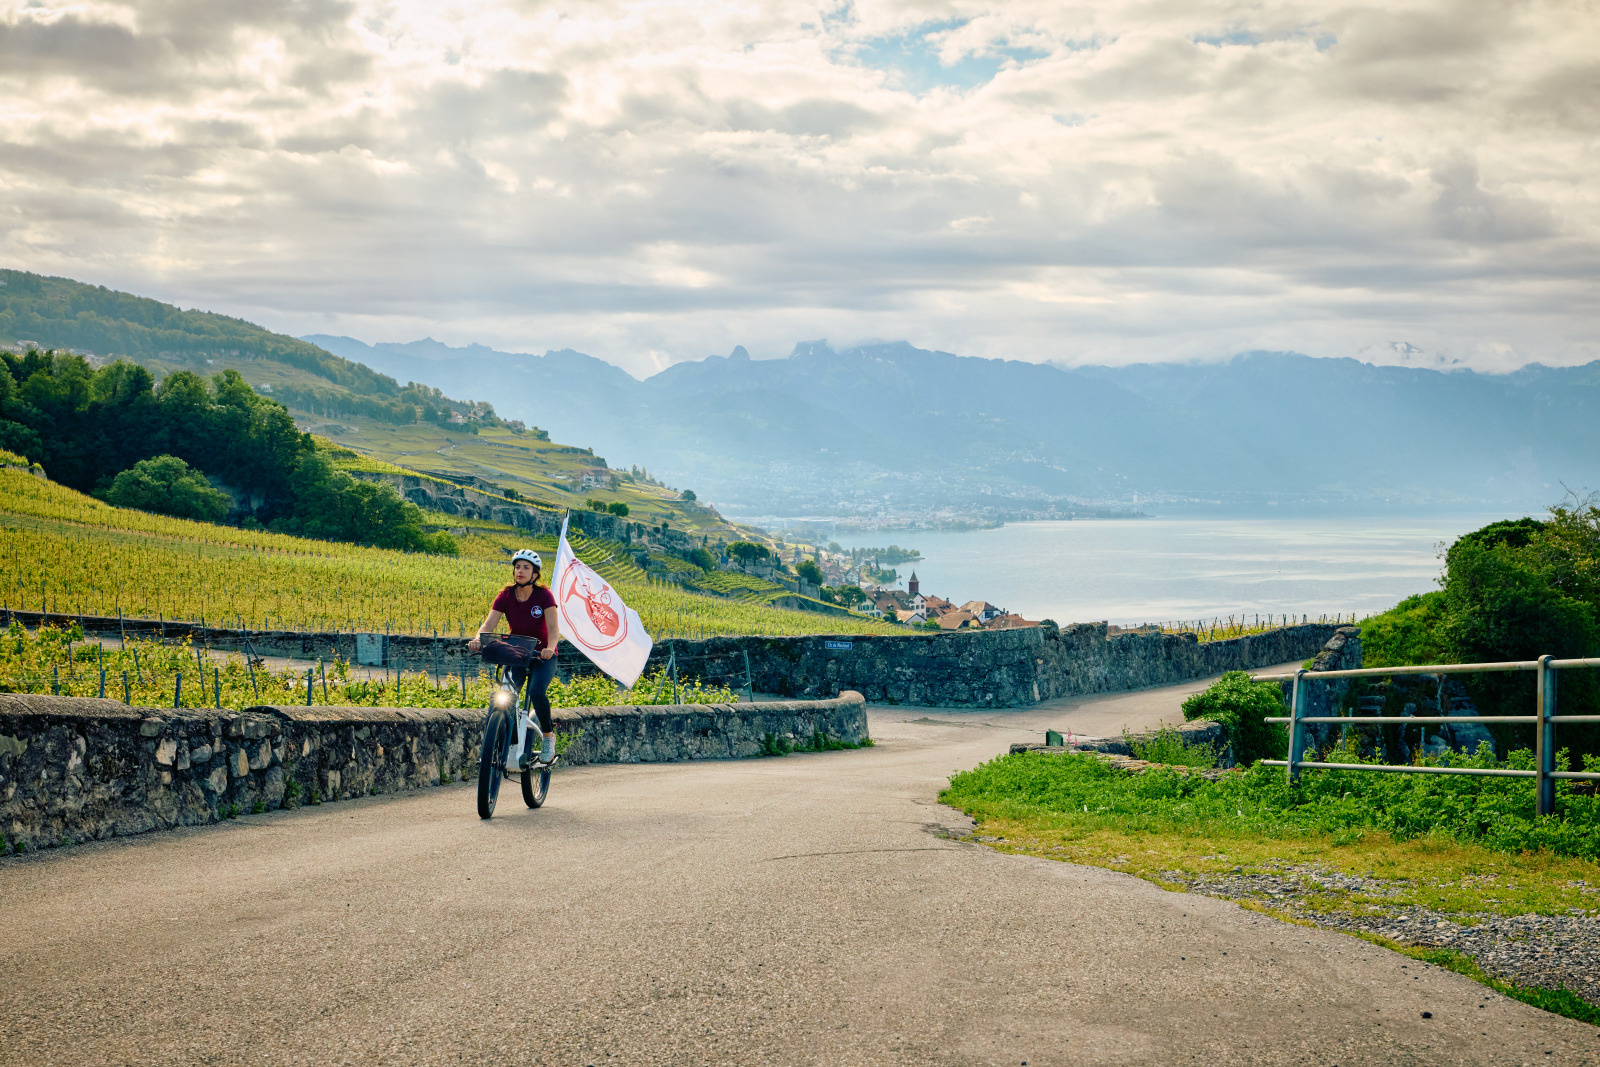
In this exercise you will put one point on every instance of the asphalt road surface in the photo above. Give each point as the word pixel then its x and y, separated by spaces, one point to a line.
pixel 804 910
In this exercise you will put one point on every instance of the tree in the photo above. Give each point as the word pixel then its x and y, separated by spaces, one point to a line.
pixel 168 485
pixel 809 571
pixel 850 595
pixel 618 508
pixel 595 505
pixel 703 559
pixel 688 494
pixel 748 551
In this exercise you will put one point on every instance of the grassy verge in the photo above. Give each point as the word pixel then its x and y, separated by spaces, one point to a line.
pixel 1350 844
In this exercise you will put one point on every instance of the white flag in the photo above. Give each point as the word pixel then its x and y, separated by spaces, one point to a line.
pixel 594 618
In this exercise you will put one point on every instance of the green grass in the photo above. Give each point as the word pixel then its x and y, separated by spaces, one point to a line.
pixel 1463 846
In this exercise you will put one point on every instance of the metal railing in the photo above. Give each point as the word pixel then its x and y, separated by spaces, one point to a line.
pixel 1543 719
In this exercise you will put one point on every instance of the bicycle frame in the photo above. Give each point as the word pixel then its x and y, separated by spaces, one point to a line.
pixel 505 698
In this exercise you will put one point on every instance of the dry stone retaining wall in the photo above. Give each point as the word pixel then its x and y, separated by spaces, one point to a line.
pixel 985 668
pixel 77 769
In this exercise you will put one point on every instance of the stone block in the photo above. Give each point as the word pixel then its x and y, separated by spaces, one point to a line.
pixel 152 727
pixel 238 762
pixel 217 781
pixel 261 755
pixel 202 754
pixel 166 752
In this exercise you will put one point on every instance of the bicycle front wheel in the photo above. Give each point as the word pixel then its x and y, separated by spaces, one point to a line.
pixel 491 762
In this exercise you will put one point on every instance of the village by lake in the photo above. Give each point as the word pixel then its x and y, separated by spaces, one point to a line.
pixel 1169 569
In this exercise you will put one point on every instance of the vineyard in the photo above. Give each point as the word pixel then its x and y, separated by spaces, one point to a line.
pixel 65 552
pixel 1242 625
pixel 171 675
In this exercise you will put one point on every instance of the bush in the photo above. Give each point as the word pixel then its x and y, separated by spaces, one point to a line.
pixel 169 486
pixel 703 559
pixel 1168 746
pixel 618 508
pixel 1408 633
pixel 1240 705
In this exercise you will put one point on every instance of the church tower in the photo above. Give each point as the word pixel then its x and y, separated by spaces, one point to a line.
pixel 911 586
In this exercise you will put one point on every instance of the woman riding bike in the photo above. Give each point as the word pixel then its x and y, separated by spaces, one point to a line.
pixel 529 610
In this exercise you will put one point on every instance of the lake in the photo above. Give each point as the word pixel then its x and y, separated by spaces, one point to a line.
pixel 1130 571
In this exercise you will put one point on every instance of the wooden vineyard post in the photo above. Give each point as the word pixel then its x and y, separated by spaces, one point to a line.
pixel 216 685
pixel 177 690
pixel 311 673
pixel 127 694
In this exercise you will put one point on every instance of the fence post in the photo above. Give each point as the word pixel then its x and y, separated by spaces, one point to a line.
pixel 1297 703
pixel 749 686
pixel 672 668
pixel 311 675
pixel 55 680
pixel 127 694
pixel 1544 797
pixel 177 691
pixel 102 681
pixel 216 685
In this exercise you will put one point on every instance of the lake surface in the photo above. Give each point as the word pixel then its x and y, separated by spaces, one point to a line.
pixel 1157 570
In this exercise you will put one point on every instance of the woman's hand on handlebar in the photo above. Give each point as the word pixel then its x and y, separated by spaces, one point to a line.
pixel 473 645
pixel 547 653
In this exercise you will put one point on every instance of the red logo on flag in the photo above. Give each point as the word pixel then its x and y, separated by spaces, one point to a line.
pixel 586 609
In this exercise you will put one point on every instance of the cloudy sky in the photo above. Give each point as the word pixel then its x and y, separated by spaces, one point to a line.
pixel 649 182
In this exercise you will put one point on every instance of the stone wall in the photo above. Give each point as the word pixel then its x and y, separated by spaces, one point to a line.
pixel 999 668
pixel 75 769
pixel 1003 668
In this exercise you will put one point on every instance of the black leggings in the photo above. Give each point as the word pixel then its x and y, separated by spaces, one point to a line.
pixel 540 673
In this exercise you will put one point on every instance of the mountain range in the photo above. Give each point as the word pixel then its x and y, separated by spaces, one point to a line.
pixel 891 429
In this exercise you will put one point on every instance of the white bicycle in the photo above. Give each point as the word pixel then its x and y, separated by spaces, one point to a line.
pixel 505 736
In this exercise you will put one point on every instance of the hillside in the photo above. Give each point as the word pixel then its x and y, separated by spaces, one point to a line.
pixel 897 431
pixel 417 427
pixel 72 553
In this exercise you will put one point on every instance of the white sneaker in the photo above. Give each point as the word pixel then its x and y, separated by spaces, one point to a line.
pixel 548 753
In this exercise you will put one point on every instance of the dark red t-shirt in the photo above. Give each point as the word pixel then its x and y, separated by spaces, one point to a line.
pixel 526 617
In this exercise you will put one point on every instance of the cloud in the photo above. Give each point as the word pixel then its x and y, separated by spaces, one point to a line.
pixel 652 182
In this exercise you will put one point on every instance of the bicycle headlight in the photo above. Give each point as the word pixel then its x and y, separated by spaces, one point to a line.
pixel 503 699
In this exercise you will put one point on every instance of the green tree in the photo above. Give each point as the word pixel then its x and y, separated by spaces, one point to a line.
pixel 168 485
pixel 703 559
pixel 809 571
pixel 595 505
pixel 618 508
pixel 688 494
pixel 748 551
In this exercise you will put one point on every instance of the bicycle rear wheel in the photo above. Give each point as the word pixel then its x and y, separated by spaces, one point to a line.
pixel 491 762
pixel 535 784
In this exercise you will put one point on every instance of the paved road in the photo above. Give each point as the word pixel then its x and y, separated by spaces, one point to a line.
pixel 802 910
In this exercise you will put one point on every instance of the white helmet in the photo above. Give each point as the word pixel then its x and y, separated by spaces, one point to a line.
pixel 531 556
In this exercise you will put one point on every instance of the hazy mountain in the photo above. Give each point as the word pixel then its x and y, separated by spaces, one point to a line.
pixel 892 427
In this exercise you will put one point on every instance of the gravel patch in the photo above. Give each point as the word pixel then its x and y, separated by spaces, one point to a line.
pixel 1549 951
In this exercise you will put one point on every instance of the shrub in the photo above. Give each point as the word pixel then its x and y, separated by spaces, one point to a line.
pixel 618 508
pixel 1408 633
pixel 168 486
pixel 1240 705
pixel 1168 746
